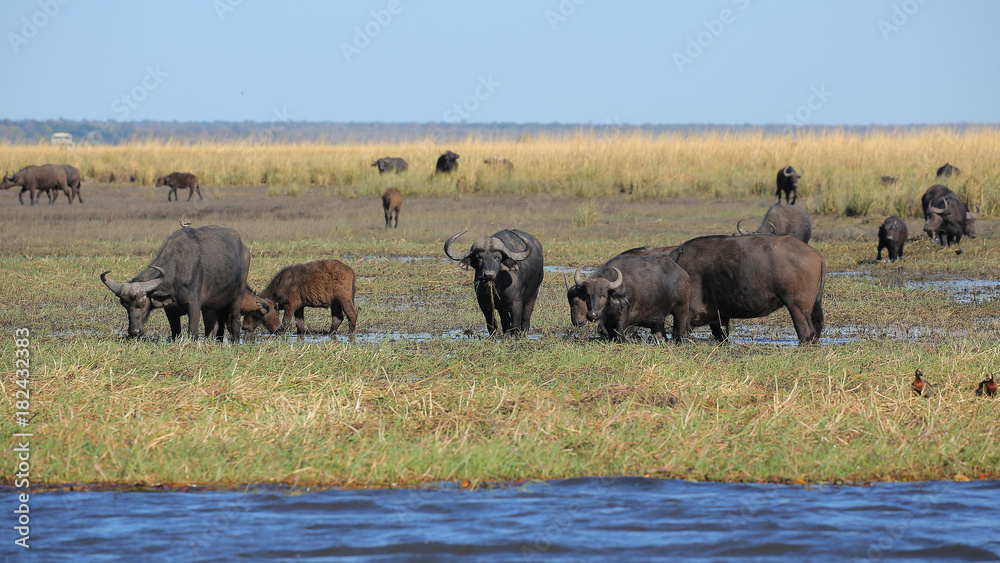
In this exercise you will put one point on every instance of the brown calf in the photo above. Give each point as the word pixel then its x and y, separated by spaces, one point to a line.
pixel 392 200
pixel 328 284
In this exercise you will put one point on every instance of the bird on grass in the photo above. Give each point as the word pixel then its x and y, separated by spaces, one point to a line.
pixel 920 385
pixel 988 387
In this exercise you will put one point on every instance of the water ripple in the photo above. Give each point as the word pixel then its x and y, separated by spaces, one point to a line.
pixel 593 519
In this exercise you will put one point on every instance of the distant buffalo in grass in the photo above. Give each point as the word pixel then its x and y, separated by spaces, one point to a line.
pixel 390 164
pixel 788 182
pixel 180 180
pixel 447 162
pixel 892 234
pixel 392 201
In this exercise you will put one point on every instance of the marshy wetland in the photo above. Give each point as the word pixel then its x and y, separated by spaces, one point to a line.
pixel 421 394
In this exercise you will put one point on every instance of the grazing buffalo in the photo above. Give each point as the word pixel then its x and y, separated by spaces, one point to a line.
pixel 637 291
pixel 887 180
pixel 947 171
pixel 196 271
pixel 392 200
pixel 38 178
pixel 892 234
pixel 784 220
pixel 752 276
pixel 180 180
pixel 326 284
pixel 788 182
pixel 215 323
pixel 948 219
pixel 447 162
pixel 577 302
pixel 390 164
pixel 509 271
pixel 499 164
pixel 72 180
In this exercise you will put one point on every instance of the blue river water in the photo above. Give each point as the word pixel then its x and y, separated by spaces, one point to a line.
pixel 592 519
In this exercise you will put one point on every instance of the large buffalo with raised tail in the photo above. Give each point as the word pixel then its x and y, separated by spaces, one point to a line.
pixel 752 276
pixel 784 220
pixel 508 267
pixel 637 291
pixel 196 271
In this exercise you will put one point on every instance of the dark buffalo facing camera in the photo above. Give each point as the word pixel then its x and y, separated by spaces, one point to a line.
pixel 390 164
pixel 577 302
pixel 508 267
pixel 447 162
pixel 637 291
pixel 892 234
pixel 788 182
pixel 947 219
pixel 196 271
pixel 752 276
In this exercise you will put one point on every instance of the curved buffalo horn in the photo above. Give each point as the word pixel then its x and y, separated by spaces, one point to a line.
pixel 373 160
pixel 978 210
pixel 150 285
pixel 114 286
pixel 740 229
pixel 516 255
pixel 577 277
pixel 938 210
pixel 618 281
pixel 566 279
pixel 774 230
pixel 785 170
pixel 447 248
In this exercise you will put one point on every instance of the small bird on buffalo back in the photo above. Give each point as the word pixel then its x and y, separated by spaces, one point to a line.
pixel 185 224
pixel 920 385
pixel 987 387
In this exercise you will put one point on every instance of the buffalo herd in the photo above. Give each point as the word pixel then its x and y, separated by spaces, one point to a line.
pixel 708 280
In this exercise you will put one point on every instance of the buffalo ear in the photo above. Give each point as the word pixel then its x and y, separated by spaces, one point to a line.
pixel 509 263
pixel 263 307
pixel 465 263
pixel 160 300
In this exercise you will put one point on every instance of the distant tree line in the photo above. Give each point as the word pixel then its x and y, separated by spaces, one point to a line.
pixel 112 132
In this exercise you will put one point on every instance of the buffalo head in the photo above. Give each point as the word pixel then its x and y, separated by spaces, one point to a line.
pixel 487 255
pixel 161 181
pixel 597 291
pixel 8 181
pixel 138 298
pixel 261 309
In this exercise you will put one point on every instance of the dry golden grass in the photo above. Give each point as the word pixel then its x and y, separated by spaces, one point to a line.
pixel 841 169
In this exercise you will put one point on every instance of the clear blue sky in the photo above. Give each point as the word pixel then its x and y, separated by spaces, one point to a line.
pixel 852 62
